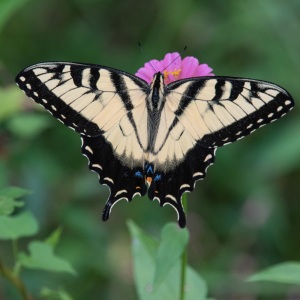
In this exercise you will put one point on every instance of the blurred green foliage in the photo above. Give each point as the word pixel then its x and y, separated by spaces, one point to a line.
pixel 41 253
pixel 242 218
pixel 283 273
pixel 157 268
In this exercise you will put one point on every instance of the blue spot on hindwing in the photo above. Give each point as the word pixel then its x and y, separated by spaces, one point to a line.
pixel 157 177
pixel 138 174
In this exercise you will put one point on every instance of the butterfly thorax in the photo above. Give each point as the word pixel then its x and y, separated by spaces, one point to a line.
pixel 156 97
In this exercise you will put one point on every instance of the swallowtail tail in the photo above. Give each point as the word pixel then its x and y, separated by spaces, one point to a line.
pixel 158 138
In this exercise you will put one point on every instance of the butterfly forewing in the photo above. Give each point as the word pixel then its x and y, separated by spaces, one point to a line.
pixel 112 111
pixel 220 110
pixel 82 96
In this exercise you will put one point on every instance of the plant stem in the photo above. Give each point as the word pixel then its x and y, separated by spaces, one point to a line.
pixel 15 248
pixel 17 266
pixel 16 281
pixel 183 257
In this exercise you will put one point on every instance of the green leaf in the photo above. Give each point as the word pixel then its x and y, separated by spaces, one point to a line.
pixel 41 257
pixel 288 272
pixel 195 287
pixel 14 227
pixel 7 199
pixel 7 205
pixel 14 192
pixel 54 237
pixel 35 124
pixel 144 251
pixel 47 293
pixel 172 245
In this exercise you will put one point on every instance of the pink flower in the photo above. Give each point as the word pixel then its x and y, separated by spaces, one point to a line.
pixel 174 68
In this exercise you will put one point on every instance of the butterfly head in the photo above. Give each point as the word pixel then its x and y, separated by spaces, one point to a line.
pixel 167 76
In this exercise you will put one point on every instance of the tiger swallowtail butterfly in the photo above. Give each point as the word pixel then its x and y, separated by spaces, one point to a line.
pixel 157 138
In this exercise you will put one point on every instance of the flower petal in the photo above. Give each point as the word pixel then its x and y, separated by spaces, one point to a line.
pixel 172 65
pixel 174 68
pixel 204 70
pixel 171 61
pixel 156 64
pixel 189 66
pixel 143 73
pixel 150 68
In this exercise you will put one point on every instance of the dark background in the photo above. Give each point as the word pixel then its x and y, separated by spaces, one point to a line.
pixel 243 217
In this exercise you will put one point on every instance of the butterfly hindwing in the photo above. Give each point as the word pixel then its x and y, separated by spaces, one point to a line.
pixel 168 186
pixel 121 179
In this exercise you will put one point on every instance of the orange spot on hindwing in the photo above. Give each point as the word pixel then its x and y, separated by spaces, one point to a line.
pixel 149 180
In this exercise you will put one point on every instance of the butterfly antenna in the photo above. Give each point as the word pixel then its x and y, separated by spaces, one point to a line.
pixel 174 59
pixel 141 48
